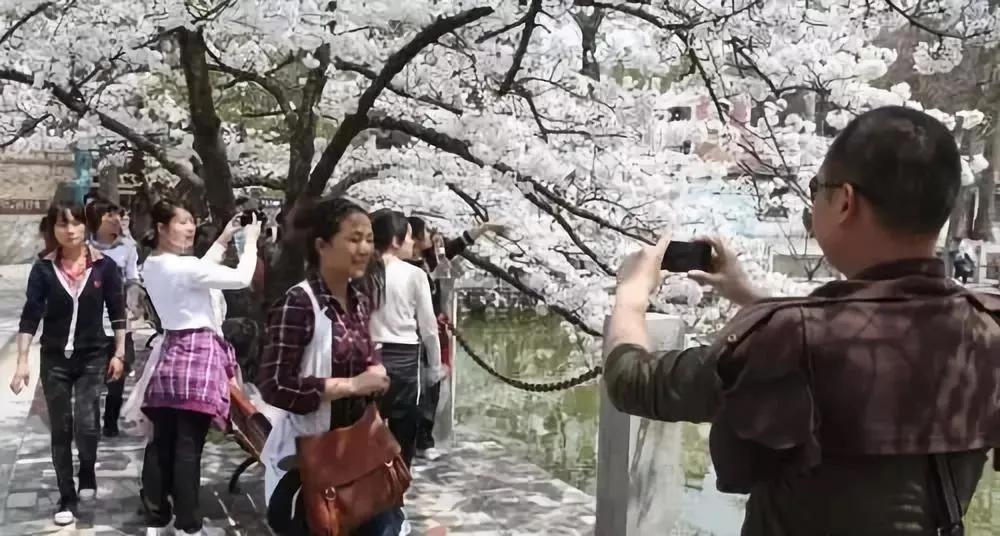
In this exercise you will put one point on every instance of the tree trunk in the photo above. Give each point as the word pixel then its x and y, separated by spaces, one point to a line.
pixel 983 227
pixel 589 25
pixel 207 126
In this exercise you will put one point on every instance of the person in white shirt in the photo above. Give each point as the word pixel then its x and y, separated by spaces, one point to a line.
pixel 403 320
pixel 189 389
pixel 104 225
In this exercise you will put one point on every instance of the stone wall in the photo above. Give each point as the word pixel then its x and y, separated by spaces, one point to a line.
pixel 28 182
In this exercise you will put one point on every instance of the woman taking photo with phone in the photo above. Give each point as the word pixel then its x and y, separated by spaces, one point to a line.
pixel 70 288
pixel 320 365
pixel 189 389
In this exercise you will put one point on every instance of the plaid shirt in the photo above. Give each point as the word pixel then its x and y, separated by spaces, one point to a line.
pixel 290 328
pixel 193 374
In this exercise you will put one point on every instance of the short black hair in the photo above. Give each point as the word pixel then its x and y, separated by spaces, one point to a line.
pixel 905 162
pixel 96 211
pixel 418 227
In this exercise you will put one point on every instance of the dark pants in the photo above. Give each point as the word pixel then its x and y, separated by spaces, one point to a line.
pixel 429 398
pixel 172 467
pixel 399 404
pixel 81 375
pixel 113 400
pixel 281 521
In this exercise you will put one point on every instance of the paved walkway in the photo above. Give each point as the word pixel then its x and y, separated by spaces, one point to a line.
pixel 476 490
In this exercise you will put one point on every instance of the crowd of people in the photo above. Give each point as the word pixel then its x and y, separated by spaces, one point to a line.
pixel 365 327
pixel 865 408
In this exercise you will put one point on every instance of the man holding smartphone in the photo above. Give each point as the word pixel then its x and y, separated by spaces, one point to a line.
pixel 866 408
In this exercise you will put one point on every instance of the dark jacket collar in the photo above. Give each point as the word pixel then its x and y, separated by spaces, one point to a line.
pixel 930 267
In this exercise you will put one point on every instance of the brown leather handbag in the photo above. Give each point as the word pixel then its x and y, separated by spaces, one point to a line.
pixel 350 475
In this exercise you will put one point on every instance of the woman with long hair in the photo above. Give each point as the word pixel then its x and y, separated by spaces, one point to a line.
pixel 189 389
pixel 69 290
pixel 320 365
pixel 403 323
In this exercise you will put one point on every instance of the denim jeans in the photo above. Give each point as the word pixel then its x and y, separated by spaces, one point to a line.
pixel 172 467
pixel 281 521
pixel 82 374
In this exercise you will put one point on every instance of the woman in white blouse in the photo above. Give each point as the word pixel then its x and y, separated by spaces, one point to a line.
pixel 403 319
pixel 189 388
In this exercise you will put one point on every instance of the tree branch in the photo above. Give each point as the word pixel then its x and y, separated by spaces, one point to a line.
pixel 266 83
pixel 27 127
pixel 188 178
pixel 522 47
pixel 477 209
pixel 367 72
pixel 23 20
pixel 358 121
pixel 265 182
pixel 503 29
pixel 513 281
pixel 356 177
pixel 461 149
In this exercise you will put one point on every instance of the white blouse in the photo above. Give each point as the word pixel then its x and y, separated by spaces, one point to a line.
pixel 181 287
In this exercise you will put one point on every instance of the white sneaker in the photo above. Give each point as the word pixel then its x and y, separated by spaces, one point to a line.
pixel 87 494
pixel 405 528
pixel 433 454
pixel 64 516
pixel 161 531
pixel 205 531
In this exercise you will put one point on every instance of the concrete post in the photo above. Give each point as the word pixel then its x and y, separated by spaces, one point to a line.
pixel 640 481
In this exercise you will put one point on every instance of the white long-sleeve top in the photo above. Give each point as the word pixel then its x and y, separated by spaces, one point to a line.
pixel 407 314
pixel 181 286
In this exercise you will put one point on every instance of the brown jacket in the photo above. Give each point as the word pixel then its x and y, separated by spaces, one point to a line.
pixel 825 409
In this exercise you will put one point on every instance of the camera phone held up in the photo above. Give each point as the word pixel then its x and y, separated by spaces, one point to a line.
pixel 687 256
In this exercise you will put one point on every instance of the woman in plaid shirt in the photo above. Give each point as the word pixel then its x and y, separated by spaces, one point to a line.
pixel 320 365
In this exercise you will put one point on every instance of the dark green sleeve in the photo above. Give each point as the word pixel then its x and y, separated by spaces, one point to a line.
pixel 677 385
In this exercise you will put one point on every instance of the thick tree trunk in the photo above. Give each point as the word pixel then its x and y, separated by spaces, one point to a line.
pixel 206 126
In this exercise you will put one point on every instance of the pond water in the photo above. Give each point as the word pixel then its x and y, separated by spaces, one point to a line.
pixel 558 431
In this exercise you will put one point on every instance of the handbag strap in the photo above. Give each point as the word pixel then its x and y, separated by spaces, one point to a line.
pixel 944 481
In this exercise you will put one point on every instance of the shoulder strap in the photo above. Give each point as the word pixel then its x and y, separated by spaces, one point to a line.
pixel 305 286
pixel 950 523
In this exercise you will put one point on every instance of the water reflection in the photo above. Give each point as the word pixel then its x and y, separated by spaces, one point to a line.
pixel 558 431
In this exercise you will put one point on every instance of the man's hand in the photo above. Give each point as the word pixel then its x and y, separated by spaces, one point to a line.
pixel 115 368
pixel 21 376
pixel 727 277
pixel 640 275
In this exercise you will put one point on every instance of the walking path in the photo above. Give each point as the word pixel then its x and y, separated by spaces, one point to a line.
pixel 476 490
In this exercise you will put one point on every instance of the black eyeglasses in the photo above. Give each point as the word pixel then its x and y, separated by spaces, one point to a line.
pixel 815 186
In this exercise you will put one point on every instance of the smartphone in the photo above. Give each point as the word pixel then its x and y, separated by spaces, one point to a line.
pixel 687 256
pixel 247 216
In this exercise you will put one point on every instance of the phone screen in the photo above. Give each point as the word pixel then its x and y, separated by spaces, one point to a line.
pixel 687 256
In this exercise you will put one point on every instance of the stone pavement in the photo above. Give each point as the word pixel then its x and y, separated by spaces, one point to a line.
pixel 476 490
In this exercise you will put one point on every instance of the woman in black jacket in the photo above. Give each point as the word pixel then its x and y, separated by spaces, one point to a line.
pixel 69 288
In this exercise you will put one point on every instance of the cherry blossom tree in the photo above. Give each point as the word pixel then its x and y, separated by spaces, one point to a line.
pixel 562 119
